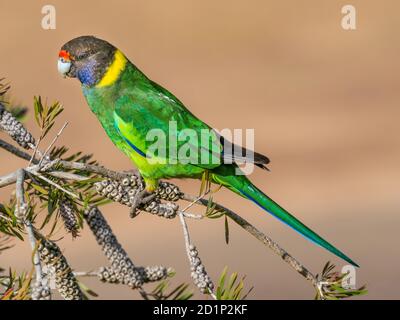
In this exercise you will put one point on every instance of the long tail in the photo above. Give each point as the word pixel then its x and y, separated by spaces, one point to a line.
pixel 242 186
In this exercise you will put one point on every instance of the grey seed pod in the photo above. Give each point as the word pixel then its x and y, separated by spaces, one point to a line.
pixel 65 280
pixel 15 129
pixel 132 192
pixel 109 188
pixel 99 187
pixel 168 191
pixel 111 247
pixel 199 274
pixel 125 190
pixel 195 262
pixel 156 273
pixel 125 200
pixel 115 183
pixel 40 291
pixel 117 198
pixel 122 269
pixel 67 213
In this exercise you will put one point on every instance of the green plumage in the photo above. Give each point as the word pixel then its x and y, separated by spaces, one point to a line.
pixel 133 105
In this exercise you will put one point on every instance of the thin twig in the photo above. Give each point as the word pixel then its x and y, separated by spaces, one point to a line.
pixel 95 169
pixel 35 150
pixel 35 173
pixel 12 177
pixel 289 259
pixel 67 175
pixel 21 208
pixel 70 164
pixel 143 294
pixel 16 151
pixel 196 200
pixel 8 179
pixel 191 215
pixel 185 234
pixel 52 143
pixel 86 273
pixel 188 242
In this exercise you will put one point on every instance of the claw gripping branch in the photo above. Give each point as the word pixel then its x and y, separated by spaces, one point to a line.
pixel 125 190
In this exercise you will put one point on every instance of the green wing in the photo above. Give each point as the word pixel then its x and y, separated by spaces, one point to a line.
pixel 145 112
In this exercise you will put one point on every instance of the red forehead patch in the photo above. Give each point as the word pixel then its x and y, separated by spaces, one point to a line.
pixel 64 54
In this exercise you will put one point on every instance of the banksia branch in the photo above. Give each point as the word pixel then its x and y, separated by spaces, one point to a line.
pixel 40 291
pixel 148 274
pixel 66 283
pixel 125 190
pixel 198 272
pixel 15 129
pixel 122 269
pixel 199 275
pixel 68 215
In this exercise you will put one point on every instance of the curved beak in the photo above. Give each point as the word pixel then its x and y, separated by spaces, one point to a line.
pixel 63 66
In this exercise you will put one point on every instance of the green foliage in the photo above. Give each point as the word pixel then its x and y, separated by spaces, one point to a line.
pixel 215 213
pixel 19 112
pixel 13 286
pixel 233 289
pixel 211 211
pixel 45 115
pixel 8 222
pixel 86 291
pixel 61 153
pixel 16 110
pixel 226 224
pixel 331 285
pixel 160 292
pixel 205 185
pixel 48 197
pixel 82 187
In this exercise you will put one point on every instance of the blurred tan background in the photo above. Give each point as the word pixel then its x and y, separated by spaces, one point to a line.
pixel 324 103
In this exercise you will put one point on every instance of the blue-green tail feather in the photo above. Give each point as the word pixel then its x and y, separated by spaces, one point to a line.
pixel 241 185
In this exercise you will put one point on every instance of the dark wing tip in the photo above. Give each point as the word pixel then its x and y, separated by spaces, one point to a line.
pixel 262 166
pixel 260 158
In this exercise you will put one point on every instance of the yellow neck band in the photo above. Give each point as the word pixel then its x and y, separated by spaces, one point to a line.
pixel 114 70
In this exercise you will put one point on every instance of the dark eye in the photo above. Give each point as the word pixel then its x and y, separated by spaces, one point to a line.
pixel 83 55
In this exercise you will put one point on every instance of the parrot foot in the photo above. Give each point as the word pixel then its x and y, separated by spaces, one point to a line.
pixel 141 198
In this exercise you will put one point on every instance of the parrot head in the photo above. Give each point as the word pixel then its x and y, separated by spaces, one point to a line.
pixel 86 58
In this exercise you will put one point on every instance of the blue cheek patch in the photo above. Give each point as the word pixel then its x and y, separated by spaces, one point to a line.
pixel 86 74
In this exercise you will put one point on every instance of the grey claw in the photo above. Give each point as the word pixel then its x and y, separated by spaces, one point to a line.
pixel 141 198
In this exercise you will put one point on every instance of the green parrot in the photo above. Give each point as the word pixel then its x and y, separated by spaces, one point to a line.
pixel 130 106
